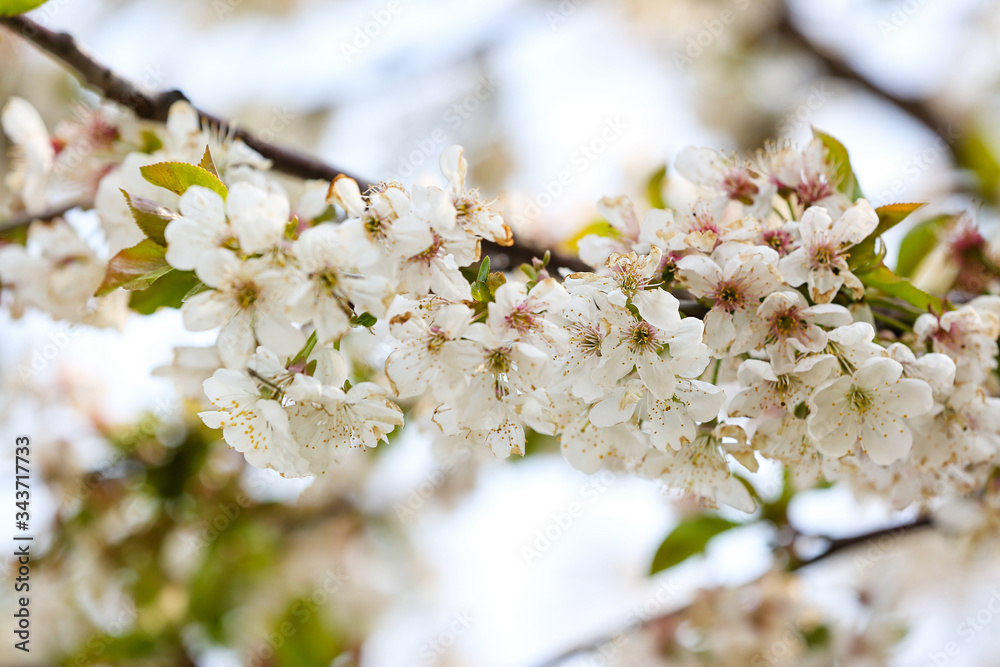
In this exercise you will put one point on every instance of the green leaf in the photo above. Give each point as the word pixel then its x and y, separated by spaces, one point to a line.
pixel 208 164
pixel 884 280
pixel 817 637
pixel 863 255
pixel 918 242
pixel 847 181
pixel 689 537
pixel 599 227
pixel 365 319
pixel 151 141
pixel 167 291
pixel 654 187
pixel 494 281
pixel 975 152
pixel 314 641
pixel 16 7
pixel 484 270
pixel 134 268
pixel 151 217
pixel 481 292
pixel 891 215
pixel 306 350
pixel 179 176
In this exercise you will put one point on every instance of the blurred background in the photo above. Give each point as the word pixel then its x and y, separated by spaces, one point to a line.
pixel 158 545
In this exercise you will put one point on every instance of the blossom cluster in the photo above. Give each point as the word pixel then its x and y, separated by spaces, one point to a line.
pixel 736 328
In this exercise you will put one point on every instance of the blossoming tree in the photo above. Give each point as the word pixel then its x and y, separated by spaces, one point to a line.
pixel 759 324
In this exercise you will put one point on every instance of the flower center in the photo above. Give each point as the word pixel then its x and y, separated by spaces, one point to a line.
pixel 629 280
pixel 431 253
pixel 498 360
pixel 738 185
pixel 375 225
pixel 825 256
pixel 786 322
pixel 328 280
pixel 247 294
pixel 702 221
pixel 466 207
pixel 436 340
pixel 643 338
pixel 521 319
pixel 814 187
pixel 587 339
pixel 861 399
pixel 729 295
pixel 779 240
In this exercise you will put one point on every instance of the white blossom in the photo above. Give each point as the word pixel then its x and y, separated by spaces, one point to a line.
pixel 248 302
pixel 737 288
pixel 334 290
pixel 330 418
pixel 868 411
pixel 251 417
pixel 821 261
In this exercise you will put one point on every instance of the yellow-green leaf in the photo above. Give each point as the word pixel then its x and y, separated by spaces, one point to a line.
pixel 975 152
pixel 863 255
pixel 151 216
pixel 134 268
pixel 689 537
pixel 654 187
pixel 847 181
pixel 598 227
pixel 167 291
pixel 884 280
pixel 208 164
pixel 16 7
pixel 919 242
pixel 179 176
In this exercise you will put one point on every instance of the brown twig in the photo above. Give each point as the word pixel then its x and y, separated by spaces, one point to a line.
pixel 835 546
pixel 841 69
pixel 156 106
pixel 25 219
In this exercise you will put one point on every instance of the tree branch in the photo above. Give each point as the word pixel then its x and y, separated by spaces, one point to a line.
pixel 835 546
pixel 25 219
pixel 840 69
pixel 155 107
